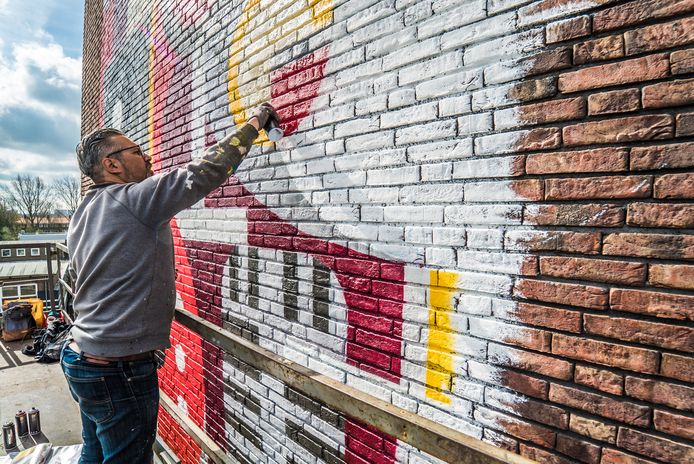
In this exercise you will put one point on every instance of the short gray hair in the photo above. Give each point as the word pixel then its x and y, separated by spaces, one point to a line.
pixel 91 149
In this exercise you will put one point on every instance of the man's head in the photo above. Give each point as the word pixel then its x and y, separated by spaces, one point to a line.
pixel 107 155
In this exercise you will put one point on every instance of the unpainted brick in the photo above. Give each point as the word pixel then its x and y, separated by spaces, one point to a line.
pixel 595 160
pixel 658 304
pixel 608 187
pixel 616 101
pixel 659 36
pixel 607 354
pixel 684 124
pixel 624 72
pixel 593 429
pixel 659 392
pixel 677 367
pixel 602 49
pixel 667 94
pixel 673 156
pixel 600 379
pixel 670 336
pixel 671 215
pixel 631 129
pixel 671 275
pixel 674 424
pixel 638 11
pixel 649 245
pixel 682 61
pixel 595 270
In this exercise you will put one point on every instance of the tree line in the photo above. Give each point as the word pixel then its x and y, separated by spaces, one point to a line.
pixel 27 200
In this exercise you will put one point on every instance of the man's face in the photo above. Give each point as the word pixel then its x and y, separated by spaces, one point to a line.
pixel 135 165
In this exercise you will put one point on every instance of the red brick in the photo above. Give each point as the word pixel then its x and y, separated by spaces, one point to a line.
pixel 596 270
pixel 527 408
pixel 593 429
pixel 600 405
pixel 544 316
pixel 649 245
pixel 677 367
pixel 533 89
pixel 592 215
pixel 605 48
pixel 599 379
pixel 568 29
pixel 625 72
pixel 569 242
pixel 639 11
pixel 607 354
pixel 673 156
pixel 674 424
pixel 643 332
pixel 379 342
pixel 684 124
pixel 659 36
pixel 674 186
pixel 547 61
pixel 631 129
pixel 679 216
pixel 551 111
pixel 595 160
pixel 615 101
pixel 667 94
pixel 516 427
pixel 502 355
pixel 654 447
pixel 578 449
pixel 682 61
pixel 653 391
pixel 524 384
pixel 667 305
pixel 606 187
pixel 563 293
pixel 671 275
pixel 543 456
pixel 539 139
pixel 610 456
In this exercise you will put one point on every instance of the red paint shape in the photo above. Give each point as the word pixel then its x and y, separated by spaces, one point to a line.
pixel 366 444
pixel 295 87
pixel 178 439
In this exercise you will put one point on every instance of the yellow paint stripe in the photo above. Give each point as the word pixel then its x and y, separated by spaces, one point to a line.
pixel 441 343
pixel 321 16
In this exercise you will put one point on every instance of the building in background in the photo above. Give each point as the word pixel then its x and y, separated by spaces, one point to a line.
pixel 24 271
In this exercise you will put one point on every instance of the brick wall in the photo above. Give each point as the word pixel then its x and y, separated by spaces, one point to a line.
pixel 481 213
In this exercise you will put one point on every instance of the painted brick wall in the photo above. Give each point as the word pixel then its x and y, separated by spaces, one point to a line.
pixel 481 213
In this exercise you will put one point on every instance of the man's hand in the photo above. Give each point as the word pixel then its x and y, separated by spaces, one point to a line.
pixel 261 114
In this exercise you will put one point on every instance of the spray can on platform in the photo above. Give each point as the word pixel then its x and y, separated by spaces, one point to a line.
pixel 34 421
pixel 9 437
pixel 22 423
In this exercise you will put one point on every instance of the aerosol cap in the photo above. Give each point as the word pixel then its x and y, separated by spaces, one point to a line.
pixel 273 130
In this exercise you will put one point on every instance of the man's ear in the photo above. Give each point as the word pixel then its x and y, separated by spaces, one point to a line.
pixel 111 166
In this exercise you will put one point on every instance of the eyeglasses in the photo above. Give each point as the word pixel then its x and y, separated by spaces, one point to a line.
pixel 139 152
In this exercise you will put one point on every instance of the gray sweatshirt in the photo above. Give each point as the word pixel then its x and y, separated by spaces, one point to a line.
pixel 121 250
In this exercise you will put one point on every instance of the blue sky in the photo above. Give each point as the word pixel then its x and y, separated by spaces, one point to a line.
pixel 40 82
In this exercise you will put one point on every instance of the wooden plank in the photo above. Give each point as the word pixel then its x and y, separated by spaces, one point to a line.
pixel 424 434
pixel 210 448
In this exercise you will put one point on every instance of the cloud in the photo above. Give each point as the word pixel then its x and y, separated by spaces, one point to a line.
pixel 40 87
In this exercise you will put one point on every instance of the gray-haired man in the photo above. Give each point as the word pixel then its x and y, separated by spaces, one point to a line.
pixel 121 249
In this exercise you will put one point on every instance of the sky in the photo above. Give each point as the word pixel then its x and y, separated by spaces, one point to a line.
pixel 40 81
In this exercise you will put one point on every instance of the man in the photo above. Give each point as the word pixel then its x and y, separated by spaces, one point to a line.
pixel 121 250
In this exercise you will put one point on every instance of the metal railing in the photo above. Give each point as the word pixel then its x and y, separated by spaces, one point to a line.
pixel 423 434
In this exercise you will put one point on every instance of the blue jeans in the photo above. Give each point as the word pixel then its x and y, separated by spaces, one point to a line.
pixel 119 403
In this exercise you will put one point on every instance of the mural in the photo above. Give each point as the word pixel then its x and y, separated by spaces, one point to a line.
pixel 432 227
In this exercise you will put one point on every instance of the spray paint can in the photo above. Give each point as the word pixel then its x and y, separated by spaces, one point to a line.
pixel 22 423
pixel 34 421
pixel 9 437
pixel 273 130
